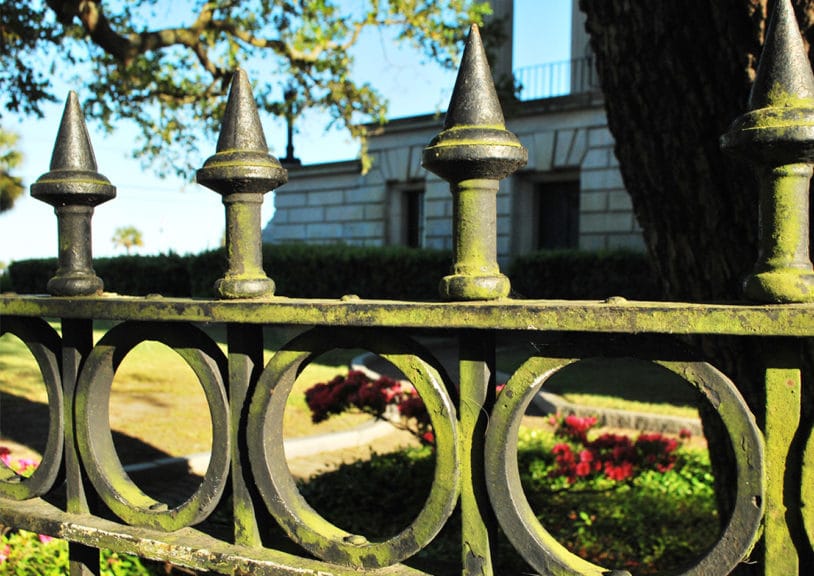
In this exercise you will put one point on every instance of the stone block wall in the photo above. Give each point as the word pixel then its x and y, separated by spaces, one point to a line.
pixel 566 138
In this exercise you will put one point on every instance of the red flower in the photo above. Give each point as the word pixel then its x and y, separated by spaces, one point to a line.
pixel 575 427
pixel 619 472
pixel 583 469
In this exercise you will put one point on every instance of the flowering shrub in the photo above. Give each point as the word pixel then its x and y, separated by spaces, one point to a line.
pixel 28 553
pixel 360 392
pixel 22 466
pixel 614 456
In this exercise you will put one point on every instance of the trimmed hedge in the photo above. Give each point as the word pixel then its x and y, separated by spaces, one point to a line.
pixel 573 275
pixel 164 274
pixel 30 276
pixel 5 282
pixel 298 270
pixel 332 271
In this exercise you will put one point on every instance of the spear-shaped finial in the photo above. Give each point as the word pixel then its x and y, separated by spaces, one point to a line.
pixel 73 187
pixel 777 134
pixel 473 153
pixel 242 171
pixel 784 71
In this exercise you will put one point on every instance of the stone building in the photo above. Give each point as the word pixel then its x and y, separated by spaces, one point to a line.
pixel 570 195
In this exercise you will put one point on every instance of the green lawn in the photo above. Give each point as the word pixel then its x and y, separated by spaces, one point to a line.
pixel 155 385
pixel 619 383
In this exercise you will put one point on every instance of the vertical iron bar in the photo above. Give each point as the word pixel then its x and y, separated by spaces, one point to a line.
pixel 783 409
pixel 783 270
pixel 77 338
pixel 245 343
pixel 477 390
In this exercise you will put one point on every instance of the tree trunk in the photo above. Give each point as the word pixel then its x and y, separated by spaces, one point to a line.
pixel 675 75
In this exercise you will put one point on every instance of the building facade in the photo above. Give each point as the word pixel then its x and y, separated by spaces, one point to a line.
pixel 569 196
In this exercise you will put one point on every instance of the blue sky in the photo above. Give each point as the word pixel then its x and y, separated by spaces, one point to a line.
pixel 185 218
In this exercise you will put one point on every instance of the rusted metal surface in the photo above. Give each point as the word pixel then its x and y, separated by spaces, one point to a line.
pixel 99 505
pixel 534 542
pixel 778 135
pixel 264 432
pixel 95 441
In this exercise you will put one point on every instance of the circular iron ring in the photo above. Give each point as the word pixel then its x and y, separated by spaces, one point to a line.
pixel 539 547
pixel 95 440
pixel 45 345
pixel 274 480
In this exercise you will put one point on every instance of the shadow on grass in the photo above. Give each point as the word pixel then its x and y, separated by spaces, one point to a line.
pixel 25 423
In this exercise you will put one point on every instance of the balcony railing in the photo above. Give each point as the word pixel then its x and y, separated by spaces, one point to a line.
pixel 556 79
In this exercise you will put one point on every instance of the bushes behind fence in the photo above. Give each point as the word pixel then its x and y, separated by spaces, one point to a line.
pixel 334 270
pixel 574 275
pixel 331 271
pixel 165 274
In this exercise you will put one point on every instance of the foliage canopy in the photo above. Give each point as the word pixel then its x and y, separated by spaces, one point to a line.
pixel 11 187
pixel 166 66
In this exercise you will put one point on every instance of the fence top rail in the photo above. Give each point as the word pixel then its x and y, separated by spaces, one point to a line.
pixel 615 315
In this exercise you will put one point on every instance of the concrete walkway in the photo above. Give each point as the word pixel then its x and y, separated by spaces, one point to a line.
pixel 301 447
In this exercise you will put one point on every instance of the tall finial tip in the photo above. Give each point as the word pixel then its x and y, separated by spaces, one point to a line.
pixel 72 149
pixel 474 99
pixel 241 128
pixel 784 76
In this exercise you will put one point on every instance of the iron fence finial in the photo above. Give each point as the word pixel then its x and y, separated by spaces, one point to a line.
pixel 73 187
pixel 777 134
pixel 242 171
pixel 473 153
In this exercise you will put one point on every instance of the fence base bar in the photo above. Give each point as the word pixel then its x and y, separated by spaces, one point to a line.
pixel 187 547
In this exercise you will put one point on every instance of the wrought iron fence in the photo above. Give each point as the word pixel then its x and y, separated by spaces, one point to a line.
pixel 556 79
pixel 81 491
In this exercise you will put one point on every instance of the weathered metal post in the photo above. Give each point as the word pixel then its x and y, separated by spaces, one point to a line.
pixel 242 171
pixel 73 187
pixel 473 153
pixel 777 134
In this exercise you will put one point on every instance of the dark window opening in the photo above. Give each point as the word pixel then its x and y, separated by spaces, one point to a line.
pixel 557 214
pixel 413 220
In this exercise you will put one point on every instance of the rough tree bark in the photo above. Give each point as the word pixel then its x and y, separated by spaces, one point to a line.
pixel 675 75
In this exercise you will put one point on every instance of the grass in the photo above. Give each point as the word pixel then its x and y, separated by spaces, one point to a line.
pixel 155 386
pixel 618 383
